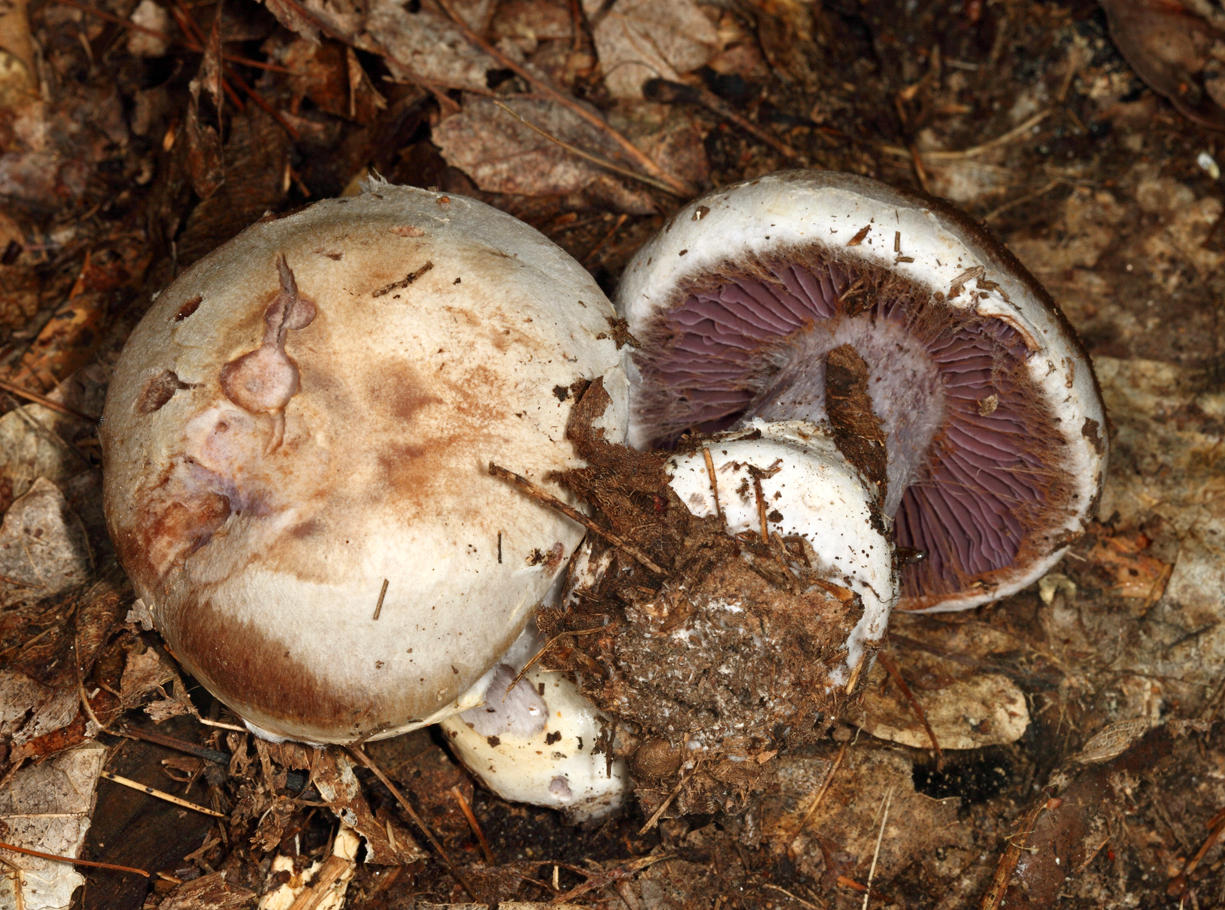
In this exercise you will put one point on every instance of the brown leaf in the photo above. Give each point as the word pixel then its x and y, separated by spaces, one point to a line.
pixel 639 40
pixel 1133 572
pixel 43 549
pixel 1175 52
pixel 47 808
pixel 504 154
pixel 420 46
pixel 387 842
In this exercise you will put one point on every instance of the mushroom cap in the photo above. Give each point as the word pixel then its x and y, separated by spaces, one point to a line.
pixel 296 441
pixel 994 425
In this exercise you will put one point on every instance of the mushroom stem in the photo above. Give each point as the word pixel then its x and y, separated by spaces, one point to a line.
pixel 537 739
pixel 789 479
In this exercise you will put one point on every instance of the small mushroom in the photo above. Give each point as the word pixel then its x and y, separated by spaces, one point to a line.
pixel 296 440
pixel 935 360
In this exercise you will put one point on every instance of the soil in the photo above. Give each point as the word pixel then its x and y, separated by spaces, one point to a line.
pixel 1062 748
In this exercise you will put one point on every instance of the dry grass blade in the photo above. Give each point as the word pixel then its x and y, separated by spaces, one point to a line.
pixel 160 794
pixel 880 836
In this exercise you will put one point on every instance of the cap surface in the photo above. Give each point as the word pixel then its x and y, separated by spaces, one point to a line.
pixel 989 411
pixel 305 417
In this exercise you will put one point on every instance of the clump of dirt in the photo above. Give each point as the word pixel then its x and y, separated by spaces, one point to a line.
pixel 733 653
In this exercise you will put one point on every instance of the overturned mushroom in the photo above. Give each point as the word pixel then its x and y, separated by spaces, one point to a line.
pixel 873 404
pixel 296 439
pixel 984 418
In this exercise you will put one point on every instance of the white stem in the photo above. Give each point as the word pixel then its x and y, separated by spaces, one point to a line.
pixel 808 490
pixel 535 740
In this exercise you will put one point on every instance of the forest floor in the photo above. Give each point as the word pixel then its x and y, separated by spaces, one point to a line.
pixel 1089 760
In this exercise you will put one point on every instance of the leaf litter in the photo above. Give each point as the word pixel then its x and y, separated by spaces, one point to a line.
pixel 1032 117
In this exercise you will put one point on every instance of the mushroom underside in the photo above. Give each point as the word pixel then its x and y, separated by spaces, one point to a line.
pixel 973 450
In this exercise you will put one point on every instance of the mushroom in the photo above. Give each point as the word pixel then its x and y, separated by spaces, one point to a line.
pixel 790 479
pixel 537 739
pixel 296 440
pixel 971 400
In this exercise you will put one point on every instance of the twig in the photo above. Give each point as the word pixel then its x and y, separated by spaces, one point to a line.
pixel 94 864
pixel 670 92
pixel 895 674
pixel 1007 865
pixel 599 244
pixel 574 515
pixel 548 644
pixel 358 753
pixel 675 187
pixel 760 496
pixel 603 878
pixel 159 794
pixel 230 78
pixel 187 43
pixel 378 607
pixel 795 897
pixel 714 481
pixel 663 807
pixel 855 674
pixel 14 389
pixel 816 800
pixel 1216 827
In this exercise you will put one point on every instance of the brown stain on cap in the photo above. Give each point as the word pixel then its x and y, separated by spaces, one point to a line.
pixel 246 667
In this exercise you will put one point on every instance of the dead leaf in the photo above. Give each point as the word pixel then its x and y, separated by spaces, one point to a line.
pixel 387 842
pixel 205 164
pixel 503 154
pixel 47 807
pixel 966 708
pixel 31 446
pixel 422 47
pixel 43 546
pixel 144 671
pixel 29 710
pixel 638 40
pixel 1176 52
pixel 1133 572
